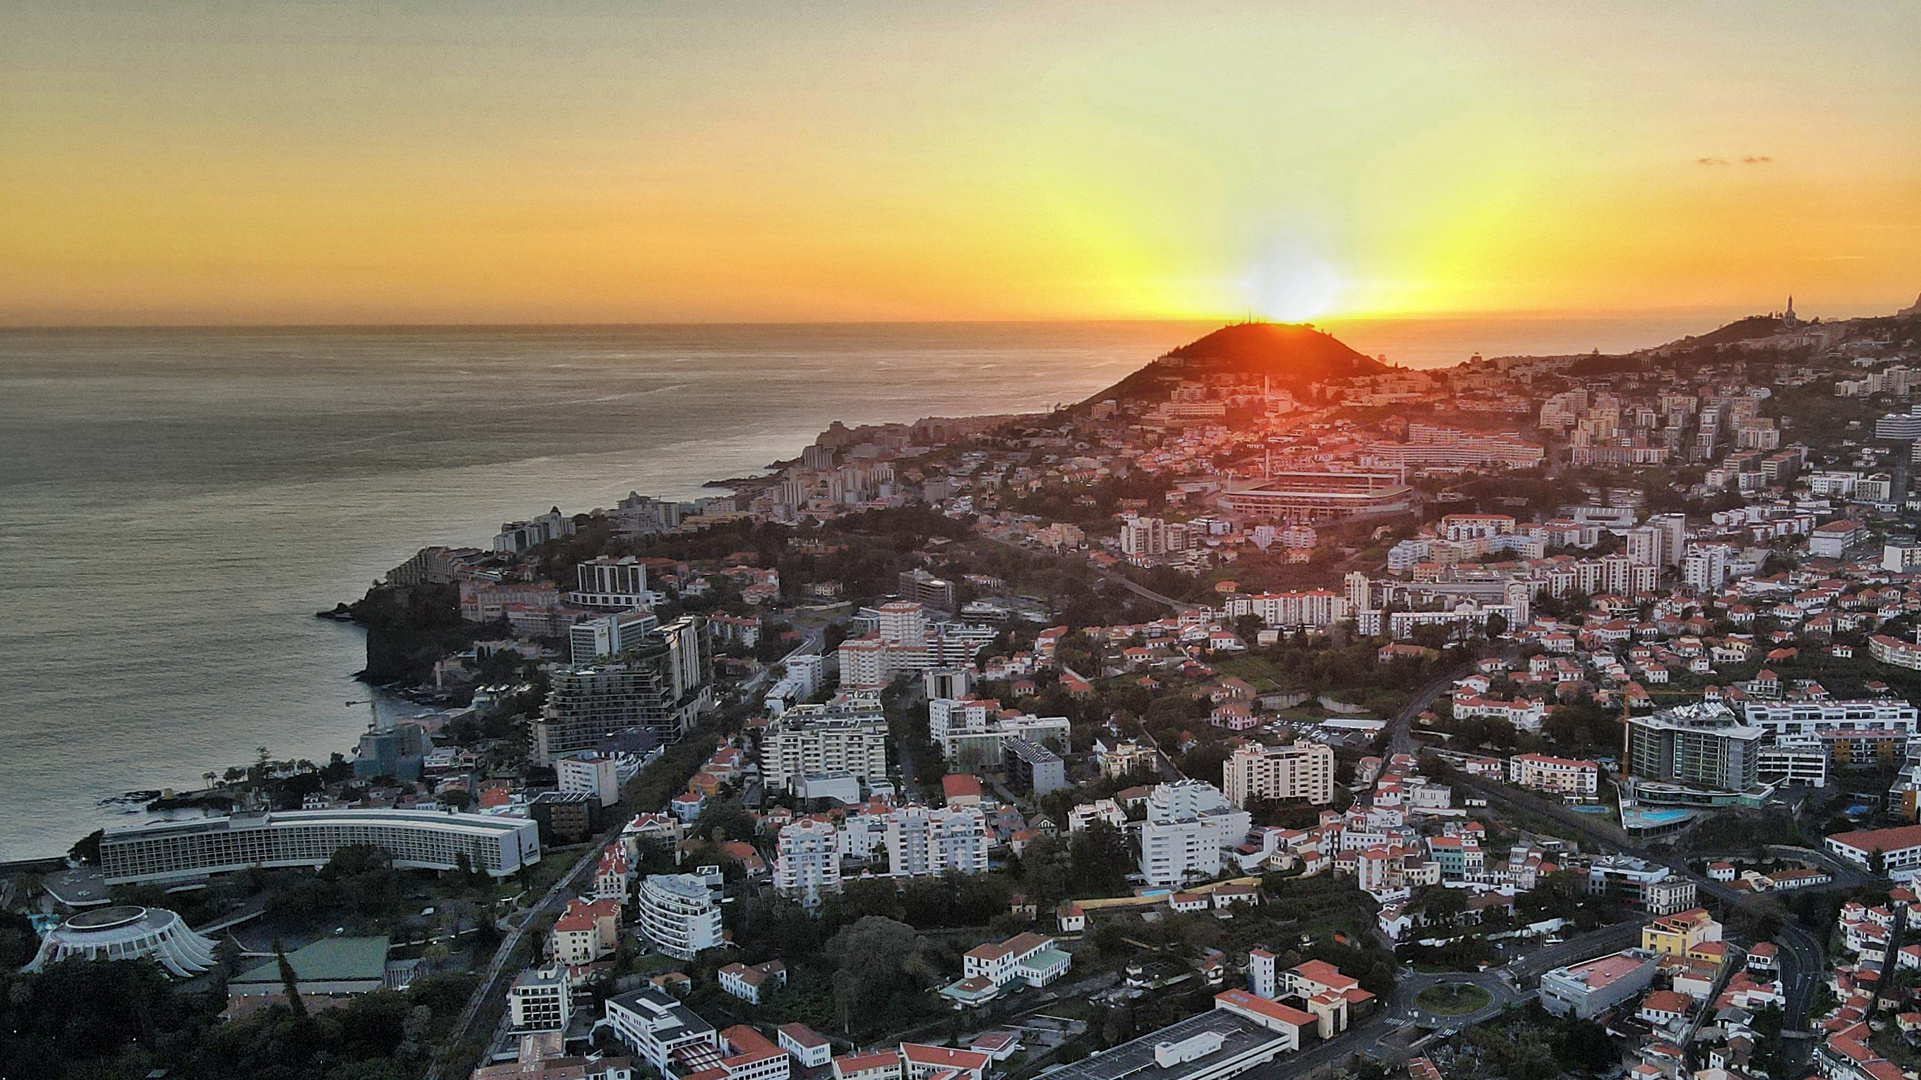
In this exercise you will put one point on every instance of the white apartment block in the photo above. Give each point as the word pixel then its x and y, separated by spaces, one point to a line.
pixel 1315 608
pixel 902 622
pixel 1146 538
pixel 1566 776
pixel 678 913
pixel 1806 721
pixel 1174 852
pixel 807 861
pixel 846 737
pixel 1705 567
pixel 541 999
pixel 976 731
pixel 924 841
pixel 611 583
pixel 1188 824
pixel 1304 770
pixel 864 663
pixel 589 773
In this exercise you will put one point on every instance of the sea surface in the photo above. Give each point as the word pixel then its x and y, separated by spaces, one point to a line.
pixel 176 504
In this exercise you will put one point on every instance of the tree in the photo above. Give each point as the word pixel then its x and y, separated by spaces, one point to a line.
pixel 1100 859
pixel 880 966
pixel 289 981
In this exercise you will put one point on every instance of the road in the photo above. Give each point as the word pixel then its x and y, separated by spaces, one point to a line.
pixel 1400 739
pixel 550 903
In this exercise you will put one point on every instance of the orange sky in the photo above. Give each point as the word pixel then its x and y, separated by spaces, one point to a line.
pixel 245 163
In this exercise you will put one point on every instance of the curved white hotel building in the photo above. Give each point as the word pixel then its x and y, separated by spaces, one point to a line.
pixel 414 839
pixel 678 914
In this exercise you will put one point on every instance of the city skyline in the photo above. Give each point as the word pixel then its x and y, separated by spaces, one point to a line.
pixel 216 163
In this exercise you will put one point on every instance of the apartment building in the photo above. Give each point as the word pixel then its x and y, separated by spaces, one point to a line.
pixel 679 914
pixel 663 686
pixel 927 841
pixel 1188 824
pixel 845 737
pixel 807 861
pixel 1565 776
pixel 541 999
pixel 1303 771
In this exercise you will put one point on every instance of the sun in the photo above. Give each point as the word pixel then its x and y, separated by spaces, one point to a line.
pixel 1292 283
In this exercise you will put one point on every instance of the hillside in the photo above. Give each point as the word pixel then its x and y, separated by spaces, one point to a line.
pixel 1289 354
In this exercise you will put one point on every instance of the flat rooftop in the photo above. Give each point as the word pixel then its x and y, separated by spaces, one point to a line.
pixel 1135 1060
pixel 1601 971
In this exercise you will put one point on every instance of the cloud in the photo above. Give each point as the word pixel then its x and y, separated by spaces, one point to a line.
pixel 1710 161
pixel 1751 160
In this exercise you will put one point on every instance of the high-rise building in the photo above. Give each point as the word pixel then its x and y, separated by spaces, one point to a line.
pixel 807 861
pixel 920 587
pixel 605 638
pixel 1706 567
pixel 1146 538
pixel 1704 746
pixel 1304 770
pixel 923 841
pixel 1188 824
pixel 1674 536
pixel 902 622
pixel 845 737
pixel 610 583
pixel 1645 545
pixel 679 914
pixel 662 686
pixel 1358 591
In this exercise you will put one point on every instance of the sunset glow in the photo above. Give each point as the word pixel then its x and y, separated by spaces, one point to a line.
pixel 491 162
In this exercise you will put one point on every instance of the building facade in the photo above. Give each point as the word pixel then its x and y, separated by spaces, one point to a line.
pixel 1304 771
pixel 413 839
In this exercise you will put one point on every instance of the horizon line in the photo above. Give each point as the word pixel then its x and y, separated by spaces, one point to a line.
pixel 1542 315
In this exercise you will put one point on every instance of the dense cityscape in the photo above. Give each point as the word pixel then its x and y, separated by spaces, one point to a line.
pixel 1274 712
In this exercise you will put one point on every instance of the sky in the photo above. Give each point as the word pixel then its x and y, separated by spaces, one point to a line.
pixel 167 162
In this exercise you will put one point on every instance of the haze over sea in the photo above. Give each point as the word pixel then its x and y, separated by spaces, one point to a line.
pixel 176 504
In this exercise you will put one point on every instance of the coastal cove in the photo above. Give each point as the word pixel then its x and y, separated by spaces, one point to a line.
pixel 177 504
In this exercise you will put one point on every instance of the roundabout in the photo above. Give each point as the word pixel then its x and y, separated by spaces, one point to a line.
pixel 1453 999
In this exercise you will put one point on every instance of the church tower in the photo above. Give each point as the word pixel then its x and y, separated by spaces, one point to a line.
pixel 1788 321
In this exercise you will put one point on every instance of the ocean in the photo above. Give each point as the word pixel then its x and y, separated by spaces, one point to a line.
pixel 176 504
